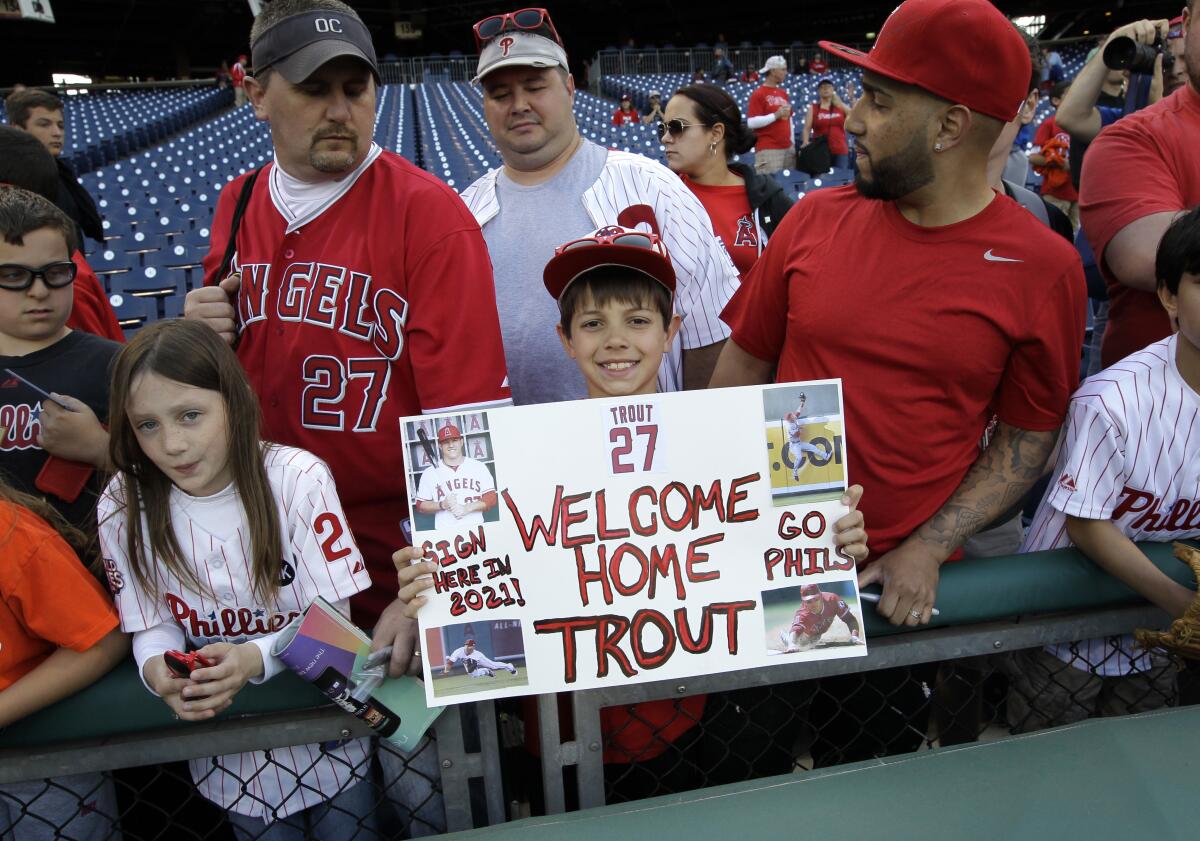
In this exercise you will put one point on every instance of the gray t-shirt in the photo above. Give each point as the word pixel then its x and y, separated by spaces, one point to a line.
pixel 532 222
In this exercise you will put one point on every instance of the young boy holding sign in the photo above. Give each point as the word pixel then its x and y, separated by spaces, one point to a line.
pixel 615 291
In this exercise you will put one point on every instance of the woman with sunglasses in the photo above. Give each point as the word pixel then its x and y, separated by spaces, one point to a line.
pixel 702 130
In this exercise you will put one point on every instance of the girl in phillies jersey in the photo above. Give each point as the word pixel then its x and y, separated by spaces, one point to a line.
pixel 214 541
pixel 702 129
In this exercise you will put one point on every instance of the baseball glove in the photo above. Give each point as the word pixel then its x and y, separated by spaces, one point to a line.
pixel 1182 639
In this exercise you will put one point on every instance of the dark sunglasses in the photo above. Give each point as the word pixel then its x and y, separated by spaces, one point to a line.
pixel 676 128
pixel 629 239
pixel 19 278
pixel 526 20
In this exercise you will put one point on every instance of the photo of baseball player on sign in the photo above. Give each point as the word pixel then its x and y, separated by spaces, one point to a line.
pixel 805 449
pixel 812 616
pixel 452 473
pixel 476 656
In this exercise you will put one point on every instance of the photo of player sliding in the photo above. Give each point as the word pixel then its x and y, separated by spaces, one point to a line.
pixel 823 618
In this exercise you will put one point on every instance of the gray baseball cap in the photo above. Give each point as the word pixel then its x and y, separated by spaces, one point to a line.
pixel 520 49
pixel 299 45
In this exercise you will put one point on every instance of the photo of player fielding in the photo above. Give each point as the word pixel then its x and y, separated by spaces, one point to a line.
pixel 803 426
pixel 812 616
pixel 476 657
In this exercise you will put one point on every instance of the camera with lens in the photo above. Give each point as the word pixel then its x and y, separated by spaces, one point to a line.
pixel 1124 53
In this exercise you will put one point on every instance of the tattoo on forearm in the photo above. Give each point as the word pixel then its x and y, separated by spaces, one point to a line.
pixel 1000 477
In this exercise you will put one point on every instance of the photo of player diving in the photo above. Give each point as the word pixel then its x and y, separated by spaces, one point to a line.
pixel 812 616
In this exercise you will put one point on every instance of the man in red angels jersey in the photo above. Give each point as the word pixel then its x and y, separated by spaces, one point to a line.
pixel 350 273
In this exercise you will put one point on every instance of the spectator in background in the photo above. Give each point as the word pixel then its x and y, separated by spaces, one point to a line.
pixel 238 74
pixel 702 131
pixel 818 65
pixel 827 118
pixel 1050 159
pixel 41 114
pixel 722 66
pixel 24 162
pixel 655 114
pixel 769 115
pixel 1055 71
pixel 626 114
pixel 1139 175
pixel 1016 167
pixel 1112 95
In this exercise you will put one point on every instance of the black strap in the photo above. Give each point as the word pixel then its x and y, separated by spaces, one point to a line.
pixel 238 212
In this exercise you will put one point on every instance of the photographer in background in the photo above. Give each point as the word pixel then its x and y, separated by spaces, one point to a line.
pixel 1139 175
pixel 1081 114
pixel 1175 71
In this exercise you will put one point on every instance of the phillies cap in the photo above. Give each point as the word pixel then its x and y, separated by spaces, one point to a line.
pixel 640 252
pixel 519 49
pixel 469 641
pixel 300 44
pixel 965 51
pixel 775 62
pixel 449 432
pixel 808 592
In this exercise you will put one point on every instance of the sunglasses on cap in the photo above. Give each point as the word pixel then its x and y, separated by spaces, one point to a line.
pixel 17 278
pixel 526 20
pixel 629 239
pixel 676 128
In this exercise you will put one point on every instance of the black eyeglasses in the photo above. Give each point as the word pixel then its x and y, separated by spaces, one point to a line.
pixel 19 278
pixel 676 128
pixel 527 20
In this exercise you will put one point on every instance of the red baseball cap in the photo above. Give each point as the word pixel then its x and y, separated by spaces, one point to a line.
pixel 808 592
pixel 448 432
pixel 611 246
pixel 965 51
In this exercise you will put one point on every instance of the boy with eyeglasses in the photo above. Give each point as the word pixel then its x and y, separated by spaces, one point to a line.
pixel 48 445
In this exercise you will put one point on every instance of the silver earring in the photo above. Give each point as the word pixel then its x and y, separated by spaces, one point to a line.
pixel 712 148
pixel 937 147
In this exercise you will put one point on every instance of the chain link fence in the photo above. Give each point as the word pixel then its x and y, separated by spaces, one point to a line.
pixel 488 762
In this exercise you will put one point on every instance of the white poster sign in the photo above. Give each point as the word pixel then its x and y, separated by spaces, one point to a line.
pixel 622 540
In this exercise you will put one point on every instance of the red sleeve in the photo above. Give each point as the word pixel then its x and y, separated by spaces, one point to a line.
pixel 91 312
pixel 55 597
pixel 1043 134
pixel 454 342
pixel 219 230
pixel 1043 370
pixel 1124 179
pixel 757 106
pixel 757 312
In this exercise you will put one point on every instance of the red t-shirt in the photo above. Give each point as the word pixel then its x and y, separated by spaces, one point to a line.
pixel 1142 164
pixel 732 221
pixel 817 66
pixel 91 312
pixel 237 74
pixel 830 122
pixel 381 306
pixel 625 118
pixel 932 330
pixel 768 100
pixel 47 599
pixel 1047 131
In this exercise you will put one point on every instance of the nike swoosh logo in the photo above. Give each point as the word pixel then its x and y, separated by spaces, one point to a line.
pixel 992 258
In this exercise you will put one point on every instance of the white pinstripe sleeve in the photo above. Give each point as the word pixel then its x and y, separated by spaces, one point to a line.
pixel 1092 465
pixel 320 543
pixel 707 277
pixel 137 608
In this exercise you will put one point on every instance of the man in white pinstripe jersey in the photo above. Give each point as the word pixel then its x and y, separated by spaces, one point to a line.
pixel 1129 470
pixel 556 186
